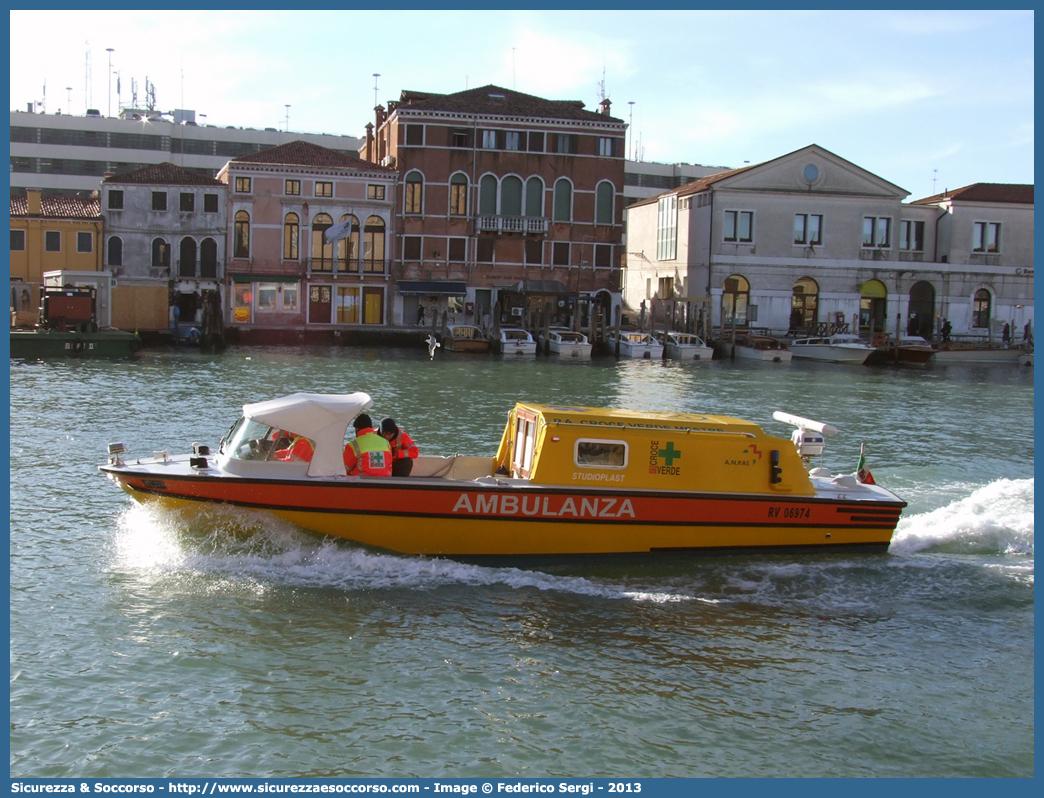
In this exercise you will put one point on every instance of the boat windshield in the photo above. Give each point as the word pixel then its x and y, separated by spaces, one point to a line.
pixel 252 440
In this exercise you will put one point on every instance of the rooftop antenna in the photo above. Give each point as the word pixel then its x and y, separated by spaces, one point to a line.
pixel 45 97
pixel 287 129
pixel 375 76
pixel 68 90
pixel 601 85
pixel 87 79
pixel 630 127
pixel 514 84
pixel 108 80
pixel 934 173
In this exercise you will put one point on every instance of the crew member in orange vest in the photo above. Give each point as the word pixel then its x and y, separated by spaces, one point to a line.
pixel 369 454
pixel 403 449
pixel 300 450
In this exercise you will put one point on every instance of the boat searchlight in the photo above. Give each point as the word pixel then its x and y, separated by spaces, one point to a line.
pixel 808 437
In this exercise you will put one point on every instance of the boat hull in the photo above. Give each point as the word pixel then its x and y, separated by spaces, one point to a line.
pixel 764 355
pixel 469 519
pixel 465 345
pixel 977 355
pixel 683 352
pixel 54 343
pixel 831 354
pixel 569 350
pixel 640 352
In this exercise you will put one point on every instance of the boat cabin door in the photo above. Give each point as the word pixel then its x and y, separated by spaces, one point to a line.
pixel 525 443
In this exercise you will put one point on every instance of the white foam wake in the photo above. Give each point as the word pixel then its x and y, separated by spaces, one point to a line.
pixel 995 519
pixel 268 550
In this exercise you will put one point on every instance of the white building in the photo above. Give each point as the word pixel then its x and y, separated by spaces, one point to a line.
pixel 810 239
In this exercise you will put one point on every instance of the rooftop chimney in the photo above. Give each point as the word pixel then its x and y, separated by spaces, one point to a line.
pixel 369 142
pixel 605 106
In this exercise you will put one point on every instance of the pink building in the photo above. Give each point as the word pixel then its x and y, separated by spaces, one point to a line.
pixel 309 253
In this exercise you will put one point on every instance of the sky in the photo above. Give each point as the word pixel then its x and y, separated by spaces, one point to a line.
pixel 928 100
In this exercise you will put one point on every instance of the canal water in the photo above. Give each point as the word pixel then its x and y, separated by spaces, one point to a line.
pixel 233 644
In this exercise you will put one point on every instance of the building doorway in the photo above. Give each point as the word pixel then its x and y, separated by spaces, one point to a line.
pixel 873 307
pixel 803 305
pixel 922 308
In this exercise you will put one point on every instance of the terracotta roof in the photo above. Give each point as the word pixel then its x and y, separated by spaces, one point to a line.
pixel 1019 193
pixel 59 206
pixel 695 187
pixel 303 153
pixel 496 101
pixel 165 174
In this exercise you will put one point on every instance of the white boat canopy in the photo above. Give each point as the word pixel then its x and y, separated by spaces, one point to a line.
pixel 322 417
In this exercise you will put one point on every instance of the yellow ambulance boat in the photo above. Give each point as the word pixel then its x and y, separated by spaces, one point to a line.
pixel 565 480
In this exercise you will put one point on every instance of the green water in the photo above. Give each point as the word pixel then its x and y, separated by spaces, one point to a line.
pixel 231 644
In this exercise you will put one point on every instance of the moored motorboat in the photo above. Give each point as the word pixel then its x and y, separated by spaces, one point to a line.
pixel 564 480
pixel 763 348
pixel 912 349
pixel 975 353
pixel 635 344
pixel 464 338
pixel 42 343
pixel 685 346
pixel 516 341
pixel 566 343
pixel 840 348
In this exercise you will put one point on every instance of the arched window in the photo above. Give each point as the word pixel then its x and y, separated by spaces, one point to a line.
pixel 803 305
pixel 241 235
pixel 534 197
pixel 511 196
pixel 115 251
pixel 187 257
pixel 563 200
pixel 373 245
pixel 604 196
pixel 735 297
pixel 488 195
pixel 348 247
pixel 291 236
pixel 208 258
pixel 160 253
pixel 981 308
pixel 458 195
pixel 414 192
pixel 322 252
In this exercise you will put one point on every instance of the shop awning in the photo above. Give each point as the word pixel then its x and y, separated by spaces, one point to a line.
pixel 543 288
pixel 432 288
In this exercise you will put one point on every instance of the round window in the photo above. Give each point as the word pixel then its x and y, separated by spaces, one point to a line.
pixel 811 173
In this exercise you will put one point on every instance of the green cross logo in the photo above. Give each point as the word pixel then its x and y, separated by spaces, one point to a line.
pixel 669 454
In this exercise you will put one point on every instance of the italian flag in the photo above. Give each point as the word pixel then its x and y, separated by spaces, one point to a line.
pixel 862 472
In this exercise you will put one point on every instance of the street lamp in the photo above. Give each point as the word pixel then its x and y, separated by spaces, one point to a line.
pixel 110 51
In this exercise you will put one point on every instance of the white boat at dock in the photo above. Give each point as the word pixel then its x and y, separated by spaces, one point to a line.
pixel 685 346
pixel 515 341
pixel 635 344
pixel 839 348
pixel 566 343
pixel 763 348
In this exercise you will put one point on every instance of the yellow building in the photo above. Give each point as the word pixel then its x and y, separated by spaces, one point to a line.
pixel 50 233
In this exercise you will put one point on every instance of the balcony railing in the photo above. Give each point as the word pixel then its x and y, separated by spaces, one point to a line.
pixel 495 223
pixel 351 266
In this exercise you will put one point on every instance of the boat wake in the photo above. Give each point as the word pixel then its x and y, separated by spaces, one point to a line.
pixel 995 519
pixel 265 549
